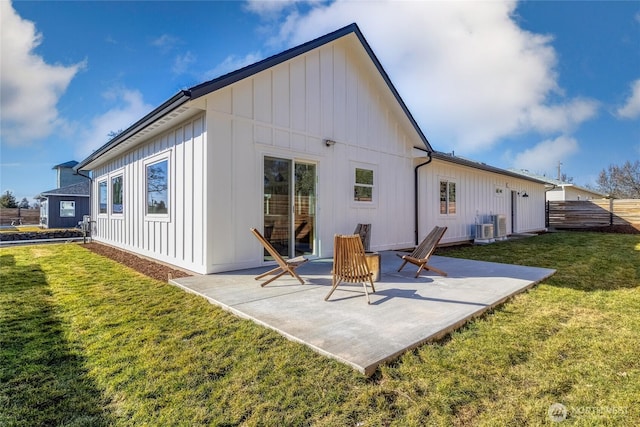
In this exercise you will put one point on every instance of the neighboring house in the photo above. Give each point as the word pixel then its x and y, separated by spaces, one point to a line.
pixel 64 207
pixel 301 145
pixel 563 191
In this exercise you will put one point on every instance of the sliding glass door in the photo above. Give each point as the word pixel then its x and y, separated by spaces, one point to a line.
pixel 289 204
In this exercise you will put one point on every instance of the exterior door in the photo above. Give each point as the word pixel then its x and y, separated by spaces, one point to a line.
pixel 289 205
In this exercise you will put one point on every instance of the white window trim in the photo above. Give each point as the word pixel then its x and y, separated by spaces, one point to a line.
pixel 112 175
pixel 74 208
pixel 374 188
pixel 106 181
pixel 448 180
pixel 166 155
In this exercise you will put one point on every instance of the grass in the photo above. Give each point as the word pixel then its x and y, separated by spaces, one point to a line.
pixel 86 341
pixel 22 229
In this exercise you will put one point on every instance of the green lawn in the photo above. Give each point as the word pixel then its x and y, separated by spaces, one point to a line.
pixel 85 341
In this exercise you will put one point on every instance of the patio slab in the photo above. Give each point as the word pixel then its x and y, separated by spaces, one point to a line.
pixel 405 312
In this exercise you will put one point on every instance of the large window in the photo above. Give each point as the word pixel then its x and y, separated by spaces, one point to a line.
pixel 363 187
pixel 447 197
pixel 117 195
pixel 102 194
pixel 67 209
pixel 158 187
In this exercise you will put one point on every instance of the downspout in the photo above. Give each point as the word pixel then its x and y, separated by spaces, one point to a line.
pixel 415 192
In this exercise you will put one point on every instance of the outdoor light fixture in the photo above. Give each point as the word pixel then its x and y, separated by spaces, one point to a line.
pixel 525 194
pixel 329 142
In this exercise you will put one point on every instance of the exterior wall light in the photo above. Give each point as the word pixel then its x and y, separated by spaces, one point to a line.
pixel 329 142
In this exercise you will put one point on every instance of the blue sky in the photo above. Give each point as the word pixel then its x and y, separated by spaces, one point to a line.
pixel 513 84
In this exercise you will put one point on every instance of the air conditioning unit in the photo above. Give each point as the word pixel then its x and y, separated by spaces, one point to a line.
pixel 484 233
pixel 499 227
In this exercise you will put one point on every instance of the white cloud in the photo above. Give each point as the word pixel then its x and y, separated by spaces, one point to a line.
pixel 631 108
pixel 128 108
pixel 182 62
pixel 546 155
pixel 165 42
pixel 468 73
pixel 30 87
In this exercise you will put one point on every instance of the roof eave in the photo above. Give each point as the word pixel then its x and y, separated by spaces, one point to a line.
pixel 171 104
pixel 483 166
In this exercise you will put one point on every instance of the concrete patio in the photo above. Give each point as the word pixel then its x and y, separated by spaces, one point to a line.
pixel 405 312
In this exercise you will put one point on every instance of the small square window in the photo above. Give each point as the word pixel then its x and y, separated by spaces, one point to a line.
pixel 67 209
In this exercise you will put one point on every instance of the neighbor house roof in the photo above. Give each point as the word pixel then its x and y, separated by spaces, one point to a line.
pixel 200 90
pixel 482 166
pixel 81 189
pixel 69 164
pixel 556 182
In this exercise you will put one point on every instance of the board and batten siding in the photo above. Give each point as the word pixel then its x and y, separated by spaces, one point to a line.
pixel 180 237
pixel 479 194
pixel 287 111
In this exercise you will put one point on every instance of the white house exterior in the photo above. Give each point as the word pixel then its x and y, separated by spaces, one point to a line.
pixel 301 145
pixel 480 192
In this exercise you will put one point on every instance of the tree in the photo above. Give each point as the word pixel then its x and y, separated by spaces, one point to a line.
pixel 565 178
pixel 8 200
pixel 621 182
pixel 24 203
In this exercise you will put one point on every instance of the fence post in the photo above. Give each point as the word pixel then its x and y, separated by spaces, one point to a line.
pixel 610 212
pixel 546 214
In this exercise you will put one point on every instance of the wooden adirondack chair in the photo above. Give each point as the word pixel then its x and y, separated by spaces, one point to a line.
pixel 420 255
pixel 284 265
pixel 349 264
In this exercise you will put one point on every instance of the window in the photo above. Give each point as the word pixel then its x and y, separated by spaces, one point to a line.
pixel 158 187
pixel 363 188
pixel 117 193
pixel 447 197
pixel 102 192
pixel 67 209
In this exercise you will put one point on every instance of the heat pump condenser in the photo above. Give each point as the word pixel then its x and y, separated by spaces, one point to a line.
pixel 499 226
pixel 484 233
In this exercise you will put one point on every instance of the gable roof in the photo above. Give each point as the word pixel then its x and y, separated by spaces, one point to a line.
pixel 81 189
pixel 205 88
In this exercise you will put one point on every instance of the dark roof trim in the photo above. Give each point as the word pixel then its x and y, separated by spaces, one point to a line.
pixel 80 189
pixel 164 109
pixel 482 166
pixel 248 71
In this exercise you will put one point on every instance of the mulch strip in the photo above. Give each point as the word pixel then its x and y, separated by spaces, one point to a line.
pixel 145 266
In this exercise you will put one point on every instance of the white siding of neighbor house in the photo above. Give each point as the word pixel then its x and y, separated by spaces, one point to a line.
pixel 178 238
pixel 287 111
pixel 477 198
pixel 562 193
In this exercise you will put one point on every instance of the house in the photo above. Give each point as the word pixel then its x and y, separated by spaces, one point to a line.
pixel 563 191
pixel 302 145
pixel 65 206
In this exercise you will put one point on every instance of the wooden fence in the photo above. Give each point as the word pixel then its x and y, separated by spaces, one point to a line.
pixel 593 213
pixel 16 216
